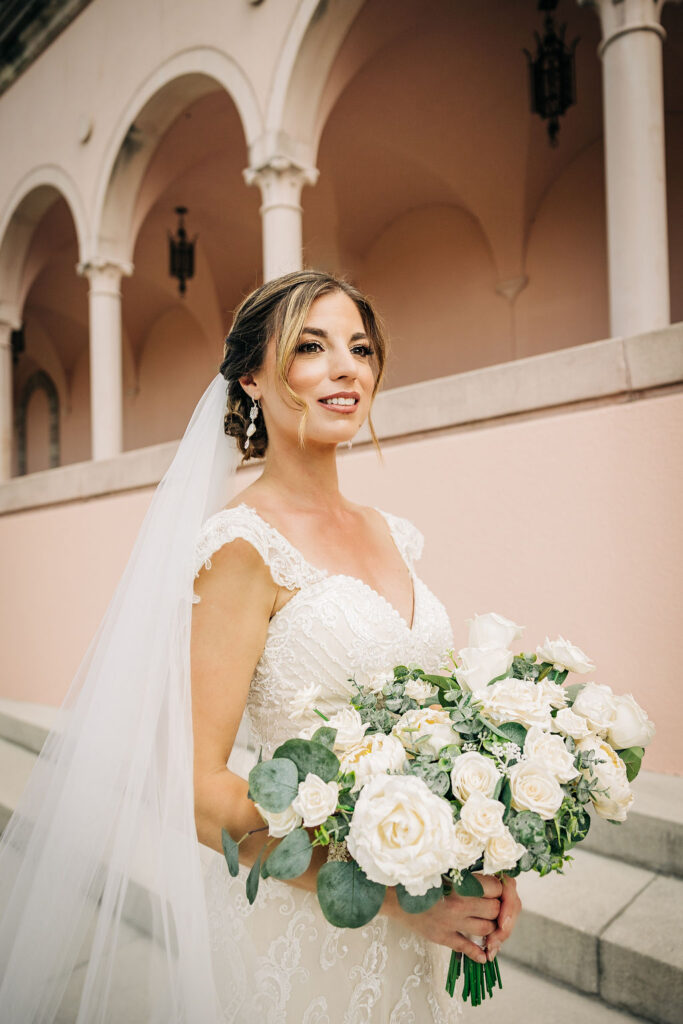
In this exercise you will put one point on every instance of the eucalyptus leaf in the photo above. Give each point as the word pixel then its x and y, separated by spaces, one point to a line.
pixel 468 885
pixel 416 904
pixel 291 857
pixel 253 878
pixel 231 852
pixel 309 756
pixel 632 758
pixel 513 732
pixel 347 897
pixel 573 692
pixel 274 784
pixel 325 735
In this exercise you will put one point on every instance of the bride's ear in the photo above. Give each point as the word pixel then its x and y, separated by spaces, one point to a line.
pixel 250 386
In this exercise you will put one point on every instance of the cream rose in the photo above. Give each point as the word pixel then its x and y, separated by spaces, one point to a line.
pixel 597 705
pixel 473 772
pixel 468 849
pixel 549 749
pixel 426 730
pixel 554 693
pixel 280 823
pixel 303 702
pixel 535 789
pixel 517 700
pixel 421 691
pixel 567 722
pixel 376 682
pixel 502 853
pixel 374 755
pixel 403 833
pixel 315 800
pixel 614 796
pixel 563 654
pixel 630 727
pixel 492 630
pixel 349 726
pixel 482 817
pixel 479 665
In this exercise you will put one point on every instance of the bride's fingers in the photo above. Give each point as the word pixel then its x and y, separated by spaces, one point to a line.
pixel 478 926
pixel 476 906
pixel 460 944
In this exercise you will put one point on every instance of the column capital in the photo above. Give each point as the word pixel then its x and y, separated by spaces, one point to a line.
pixel 10 316
pixel 104 273
pixel 281 180
pixel 620 17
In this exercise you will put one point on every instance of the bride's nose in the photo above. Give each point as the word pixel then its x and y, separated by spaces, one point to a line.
pixel 343 363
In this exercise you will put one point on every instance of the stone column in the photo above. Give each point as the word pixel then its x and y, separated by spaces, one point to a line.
pixel 281 181
pixel 106 374
pixel 6 412
pixel 631 52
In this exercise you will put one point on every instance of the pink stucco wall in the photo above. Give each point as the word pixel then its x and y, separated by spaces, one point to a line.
pixel 568 523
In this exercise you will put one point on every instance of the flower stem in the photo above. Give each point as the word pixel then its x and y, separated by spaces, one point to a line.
pixel 479 980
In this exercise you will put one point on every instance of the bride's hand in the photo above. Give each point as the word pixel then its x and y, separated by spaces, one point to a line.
pixel 510 906
pixel 446 920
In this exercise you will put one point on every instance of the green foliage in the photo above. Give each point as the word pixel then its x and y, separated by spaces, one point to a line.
pixel 468 885
pixel 573 692
pixel 632 758
pixel 254 877
pixel 308 756
pixel 291 857
pixel 427 769
pixel 347 897
pixel 274 784
pixel 510 732
pixel 325 735
pixel 230 852
pixel 416 904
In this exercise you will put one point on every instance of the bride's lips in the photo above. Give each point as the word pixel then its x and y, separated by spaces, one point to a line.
pixel 341 408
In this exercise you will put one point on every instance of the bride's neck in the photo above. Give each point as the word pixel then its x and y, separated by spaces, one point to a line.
pixel 304 479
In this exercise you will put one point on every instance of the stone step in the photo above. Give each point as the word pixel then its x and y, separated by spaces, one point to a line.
pixel 609 929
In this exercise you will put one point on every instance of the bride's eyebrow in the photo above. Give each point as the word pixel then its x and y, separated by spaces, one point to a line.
pixel 320 333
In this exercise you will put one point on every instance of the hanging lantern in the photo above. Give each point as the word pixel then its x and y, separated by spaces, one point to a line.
pixel 181 252
pixel 552 81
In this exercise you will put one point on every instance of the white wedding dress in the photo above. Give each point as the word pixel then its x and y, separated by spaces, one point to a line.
pixel 286 962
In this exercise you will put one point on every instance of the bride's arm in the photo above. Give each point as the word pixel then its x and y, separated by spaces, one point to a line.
pixel 229 628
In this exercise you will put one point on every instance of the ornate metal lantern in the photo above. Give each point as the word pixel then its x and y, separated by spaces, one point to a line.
pixel 181 252
pixel 552 81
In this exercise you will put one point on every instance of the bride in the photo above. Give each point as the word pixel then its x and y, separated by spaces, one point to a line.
pixel 298 585
pixel 115 900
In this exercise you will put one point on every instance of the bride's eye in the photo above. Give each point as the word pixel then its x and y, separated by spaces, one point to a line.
pixel 363 350
pixel 308 346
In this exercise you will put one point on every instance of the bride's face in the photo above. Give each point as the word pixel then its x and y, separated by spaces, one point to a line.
pixel 331 371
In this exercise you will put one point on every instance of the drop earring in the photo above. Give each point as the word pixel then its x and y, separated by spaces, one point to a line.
pixel 251 429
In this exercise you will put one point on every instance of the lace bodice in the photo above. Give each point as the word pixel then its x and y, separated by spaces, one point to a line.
pixel 334 629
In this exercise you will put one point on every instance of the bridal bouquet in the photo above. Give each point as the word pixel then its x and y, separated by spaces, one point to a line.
pixel 426 778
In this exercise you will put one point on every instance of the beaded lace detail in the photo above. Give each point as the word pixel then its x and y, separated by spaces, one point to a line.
pixel 334 629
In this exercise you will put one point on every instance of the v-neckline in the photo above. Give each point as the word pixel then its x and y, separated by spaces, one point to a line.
pixel 326 574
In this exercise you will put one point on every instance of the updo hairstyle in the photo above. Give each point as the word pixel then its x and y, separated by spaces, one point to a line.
pixel 279 309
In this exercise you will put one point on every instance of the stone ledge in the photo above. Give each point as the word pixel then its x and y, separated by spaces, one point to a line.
pixel 600 370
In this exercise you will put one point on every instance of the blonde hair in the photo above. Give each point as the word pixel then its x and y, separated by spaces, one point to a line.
pixel 279 309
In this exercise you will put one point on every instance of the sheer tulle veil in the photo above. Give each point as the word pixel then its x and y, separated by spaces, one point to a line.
pixel 103 837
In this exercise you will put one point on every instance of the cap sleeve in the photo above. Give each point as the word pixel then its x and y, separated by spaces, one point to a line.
pixel 408 539
pixel 287 566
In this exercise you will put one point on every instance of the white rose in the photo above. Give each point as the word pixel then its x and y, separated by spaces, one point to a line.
pixel 468 849
pixel 482 817
pixel 374 755
pixel 516 700
pixel 570 724
pixel 630 727
pixel 421 691
pixel 349 726
pixel 426 730
pixel 550 750
pixel 554 693
pixel 315 800
pixel 596 703
pixel 492 630
pixel 403 833
pixel 535 789
pixel 378 681
pixel 563 654
pixel 304 700
pixel 479 665
pixel 614 796
pixel 280 823
pixel 502 853
pixel 473 771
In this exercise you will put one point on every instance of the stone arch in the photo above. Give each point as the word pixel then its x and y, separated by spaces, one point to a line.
pixel 26 206
pixel 148 114
pixel 38 381
pixel 306 58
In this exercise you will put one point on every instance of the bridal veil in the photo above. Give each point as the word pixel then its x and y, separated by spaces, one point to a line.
pixel 104 833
